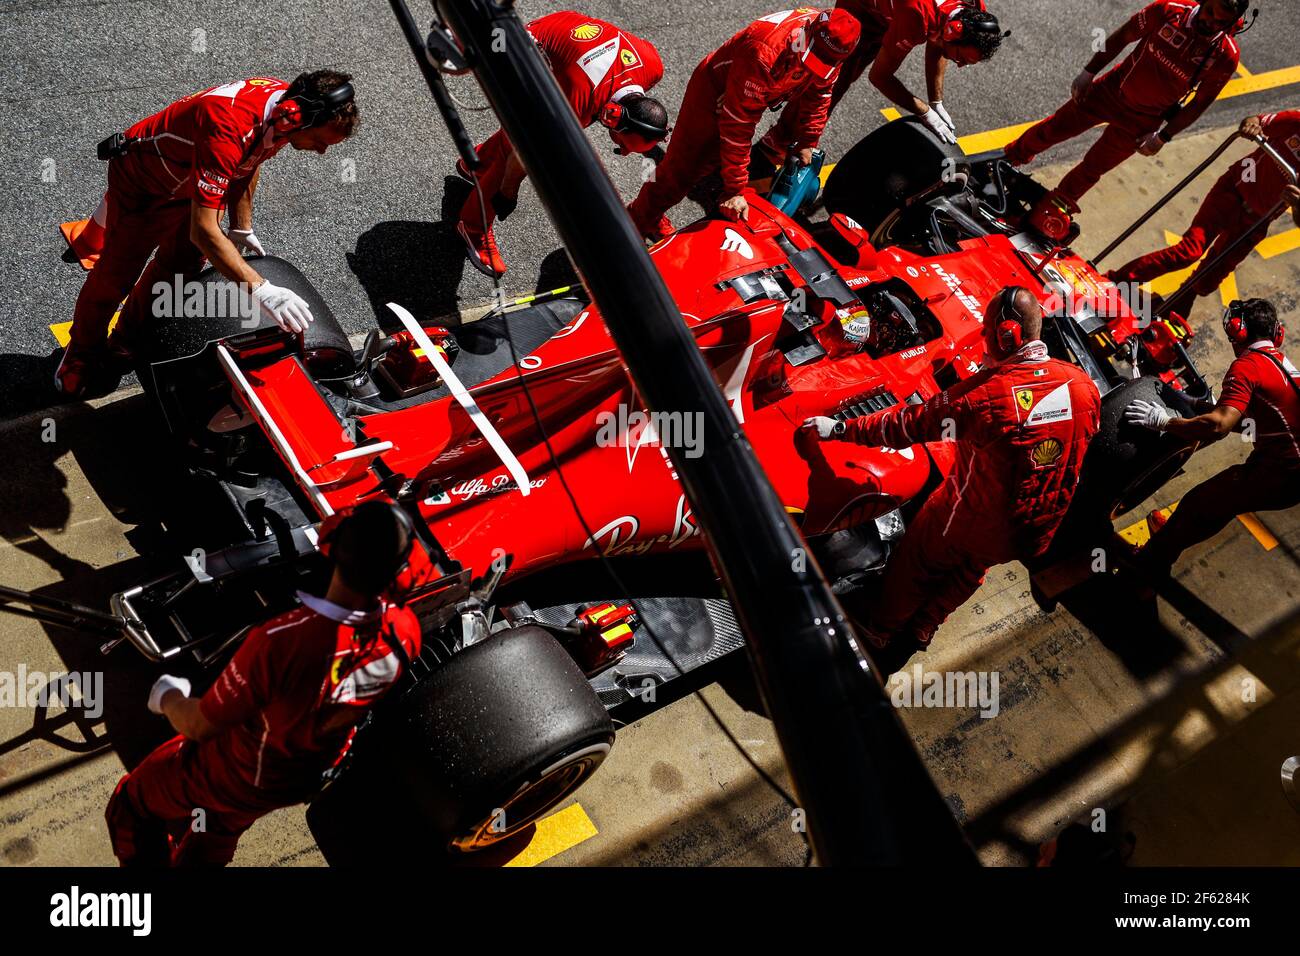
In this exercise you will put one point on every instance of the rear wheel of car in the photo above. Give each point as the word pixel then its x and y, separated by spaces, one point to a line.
pixel 486 744
pixel 890 168
pixel 326 349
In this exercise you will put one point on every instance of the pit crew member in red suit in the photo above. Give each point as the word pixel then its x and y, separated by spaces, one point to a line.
pixel 789 58
pixel 1181 47
pixel 175 175
pixel 1244 195
pixel 1261 396
pixel 605 73
pixel 281 714
pixel 958 30
pixel 1022 426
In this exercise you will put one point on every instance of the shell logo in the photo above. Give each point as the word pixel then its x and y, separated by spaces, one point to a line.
pixel 587 31
pixel 1047 452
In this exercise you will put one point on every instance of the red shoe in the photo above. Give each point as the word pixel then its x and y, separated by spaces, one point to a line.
pixel 661 230
pixel 1156 520
pixel 72 377
pixel 483 253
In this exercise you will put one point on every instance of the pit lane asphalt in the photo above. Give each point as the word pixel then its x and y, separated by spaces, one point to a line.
pixel 367 222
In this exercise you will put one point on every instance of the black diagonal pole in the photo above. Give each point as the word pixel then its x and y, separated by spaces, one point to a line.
pixel 864 790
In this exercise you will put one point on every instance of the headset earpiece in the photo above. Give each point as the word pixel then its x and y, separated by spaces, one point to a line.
pixel 1234 324
pixel 612 115
pixel 297 112
pixel 1010 333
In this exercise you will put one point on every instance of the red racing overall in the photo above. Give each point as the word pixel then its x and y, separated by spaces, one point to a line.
pixel 287 704
pixel 594 62
pixel 194 151
pixel 1022 428
pixel 1246 193
pixel 1269 480
pixel 1133 98
pixel 755 70
pixel 892 28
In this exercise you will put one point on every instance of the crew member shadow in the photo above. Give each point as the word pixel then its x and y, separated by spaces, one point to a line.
pixel 418 265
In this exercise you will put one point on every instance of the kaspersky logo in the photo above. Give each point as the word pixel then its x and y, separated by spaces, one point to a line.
pixel 587 31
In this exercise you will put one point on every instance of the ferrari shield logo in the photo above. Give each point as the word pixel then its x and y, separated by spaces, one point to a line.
pixel 587 31
pixel 628 58
pixel 1025 398
pixel 1047 453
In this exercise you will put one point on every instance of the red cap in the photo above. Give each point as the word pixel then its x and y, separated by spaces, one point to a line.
pixel 834 35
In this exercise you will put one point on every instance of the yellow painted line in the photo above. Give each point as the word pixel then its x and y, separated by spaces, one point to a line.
pixel 1280 244
pixel 1242 71
pixel 1262 534
pixel 554 834
pixel 891 113
pixel 62 331
pixel 1241 86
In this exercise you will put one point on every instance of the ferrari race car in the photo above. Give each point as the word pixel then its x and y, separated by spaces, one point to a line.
pixel 542 491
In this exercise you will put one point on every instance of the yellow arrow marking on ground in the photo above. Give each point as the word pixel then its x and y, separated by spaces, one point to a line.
pixel 1169 283
pixel 1280 244
pixel 555 834
pixel 1139 533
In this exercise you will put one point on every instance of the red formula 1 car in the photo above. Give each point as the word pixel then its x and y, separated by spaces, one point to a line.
pixel 542 490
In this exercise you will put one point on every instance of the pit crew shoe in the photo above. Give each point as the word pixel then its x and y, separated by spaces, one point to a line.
pixel 72 377
pixel 483 253
pixel 659 232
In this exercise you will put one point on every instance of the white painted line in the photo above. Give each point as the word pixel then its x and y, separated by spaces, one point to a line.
pixel 465 398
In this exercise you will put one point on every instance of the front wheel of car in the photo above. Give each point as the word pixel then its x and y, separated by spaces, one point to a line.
pixel 1126 464
pixel 483 746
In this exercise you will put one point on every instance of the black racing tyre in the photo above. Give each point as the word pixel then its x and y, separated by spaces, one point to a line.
pixel 890 168
pixel 483 746
pixel 326 350
pixel 1126 463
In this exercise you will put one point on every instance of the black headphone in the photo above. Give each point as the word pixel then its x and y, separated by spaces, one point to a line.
pixel 1234 326
pixel 299 111
pixel 616 117
pixel 1010 332
pixel 329 530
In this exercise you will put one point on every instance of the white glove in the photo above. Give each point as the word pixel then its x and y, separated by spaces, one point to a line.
pixel 1148 415
pixel 1082 83
pixel 826 428
pixel 932 119
pixel 936 106
pixel 164 684
pixel 288 308
pixel 244 239
pixel 1150 144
